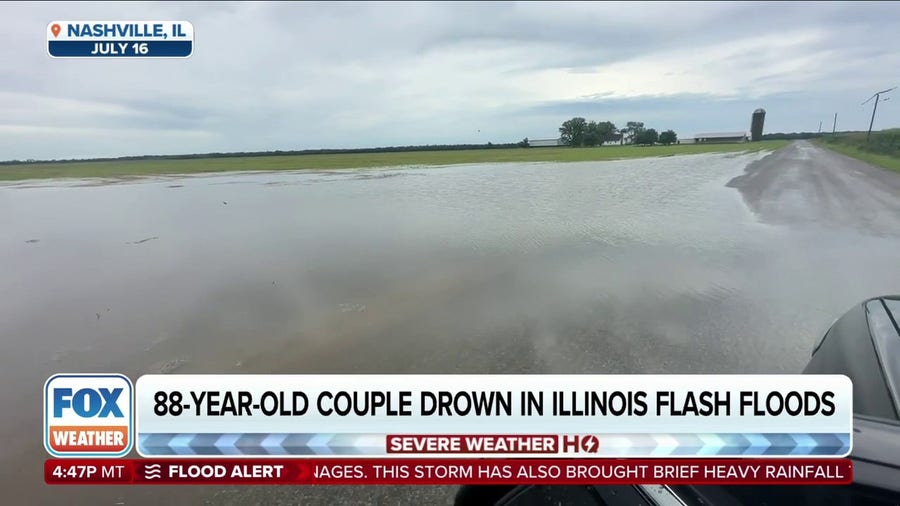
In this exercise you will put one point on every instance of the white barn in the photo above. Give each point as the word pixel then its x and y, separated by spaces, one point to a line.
pixel 544 143
pixel 721 137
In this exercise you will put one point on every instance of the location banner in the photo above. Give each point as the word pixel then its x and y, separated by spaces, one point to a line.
pixel 497 416
pixel 120 39
pixel 354 471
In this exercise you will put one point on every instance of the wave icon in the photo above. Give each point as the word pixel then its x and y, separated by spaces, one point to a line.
pixel 152 471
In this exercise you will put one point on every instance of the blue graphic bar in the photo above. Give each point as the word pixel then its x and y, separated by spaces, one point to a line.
pixel 611 445
pixel 120 48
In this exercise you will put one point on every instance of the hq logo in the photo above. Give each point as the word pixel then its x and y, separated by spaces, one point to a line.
pixel 88 415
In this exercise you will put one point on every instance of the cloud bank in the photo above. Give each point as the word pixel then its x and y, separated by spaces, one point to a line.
pixel 268 76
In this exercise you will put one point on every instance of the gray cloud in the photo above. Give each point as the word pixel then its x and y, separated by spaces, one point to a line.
pixel 304 75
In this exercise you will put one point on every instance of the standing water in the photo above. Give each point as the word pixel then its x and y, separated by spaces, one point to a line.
pixel 650 265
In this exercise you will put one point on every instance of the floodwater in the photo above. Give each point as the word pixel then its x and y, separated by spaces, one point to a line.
pixel 651 265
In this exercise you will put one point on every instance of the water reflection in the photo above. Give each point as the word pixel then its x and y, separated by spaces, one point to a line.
pixel 629 266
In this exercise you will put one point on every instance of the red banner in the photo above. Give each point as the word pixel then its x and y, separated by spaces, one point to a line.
pixel 394 471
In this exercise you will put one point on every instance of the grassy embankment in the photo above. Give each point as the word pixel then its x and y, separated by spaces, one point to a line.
pixel 883 148
pixel 154 167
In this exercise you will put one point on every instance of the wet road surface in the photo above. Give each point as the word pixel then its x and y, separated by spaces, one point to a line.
pixel 804 184
pixel 706 263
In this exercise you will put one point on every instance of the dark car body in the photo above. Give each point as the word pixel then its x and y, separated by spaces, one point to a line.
pixel 863 344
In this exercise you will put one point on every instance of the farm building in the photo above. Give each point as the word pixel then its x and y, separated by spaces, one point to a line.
pixel 543 143
pixel 721 137
pixel 614 139
pixel 756 124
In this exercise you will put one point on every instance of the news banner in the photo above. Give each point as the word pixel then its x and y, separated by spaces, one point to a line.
pixel 447 429
pixel 120 39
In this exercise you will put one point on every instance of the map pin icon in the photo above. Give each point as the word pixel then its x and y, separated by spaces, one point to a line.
pixel 55 29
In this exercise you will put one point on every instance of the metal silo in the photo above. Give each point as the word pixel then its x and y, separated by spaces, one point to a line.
pixel 756 125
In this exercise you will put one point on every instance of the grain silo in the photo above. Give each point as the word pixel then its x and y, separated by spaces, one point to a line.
pixel 756 125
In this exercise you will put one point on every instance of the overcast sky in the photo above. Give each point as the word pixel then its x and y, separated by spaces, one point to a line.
pixel 308 75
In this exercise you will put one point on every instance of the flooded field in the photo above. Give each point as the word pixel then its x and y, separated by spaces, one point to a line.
pixel 650 265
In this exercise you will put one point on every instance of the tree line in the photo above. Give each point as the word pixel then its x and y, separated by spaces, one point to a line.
pixel 581 132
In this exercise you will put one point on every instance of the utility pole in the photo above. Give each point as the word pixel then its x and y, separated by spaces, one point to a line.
pixel 834 125
pixel 877 97
pixel 820 128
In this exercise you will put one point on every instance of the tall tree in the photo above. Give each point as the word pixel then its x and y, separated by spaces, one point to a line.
pixel 605 130
pixel 668 137
pixel 572 132
pixel 592 135
pixel 633 129
pixel 648 136
pixel 598 133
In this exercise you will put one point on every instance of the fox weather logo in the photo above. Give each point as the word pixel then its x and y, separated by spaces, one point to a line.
pixel 88 415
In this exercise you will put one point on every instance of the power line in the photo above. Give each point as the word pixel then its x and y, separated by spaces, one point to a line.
pixel 877 97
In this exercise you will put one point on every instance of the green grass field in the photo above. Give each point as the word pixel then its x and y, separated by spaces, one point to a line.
pixel 883 150
pixel 142 168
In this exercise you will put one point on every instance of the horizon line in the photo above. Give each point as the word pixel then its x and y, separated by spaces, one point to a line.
pixel 324 151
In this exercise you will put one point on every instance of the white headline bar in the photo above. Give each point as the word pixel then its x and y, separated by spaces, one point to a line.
pixel 494 404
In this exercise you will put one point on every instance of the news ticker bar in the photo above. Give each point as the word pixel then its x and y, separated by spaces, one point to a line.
pixel 354 471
